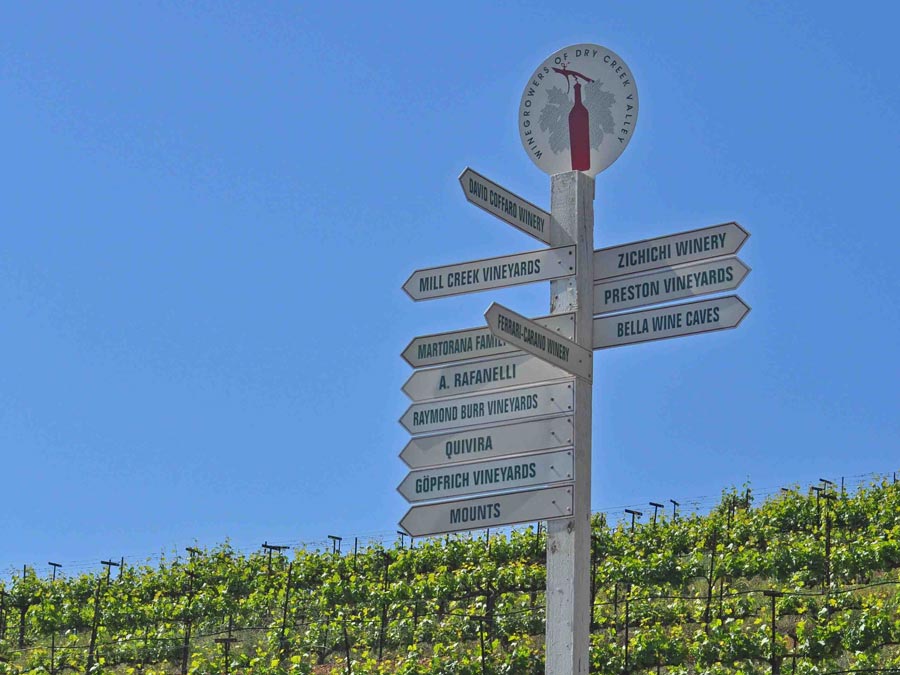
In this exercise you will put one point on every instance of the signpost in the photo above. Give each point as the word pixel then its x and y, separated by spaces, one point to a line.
pixel 463 345
pixel 492 511
pixel 676 283
pixel 481 275
pixel 500 474
pixel 521 415
pixel 674 249
pixel 690 318
pixel 501 373
pixel 505 406
pixel 508 207
pixel 535 339
pixel 488 442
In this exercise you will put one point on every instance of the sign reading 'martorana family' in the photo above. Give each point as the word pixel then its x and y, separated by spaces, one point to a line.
pixel 474 343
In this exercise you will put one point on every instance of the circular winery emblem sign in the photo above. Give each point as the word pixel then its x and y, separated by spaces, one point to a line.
pixel 578 110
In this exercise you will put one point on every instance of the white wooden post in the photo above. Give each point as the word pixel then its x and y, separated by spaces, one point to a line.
pixel 569 539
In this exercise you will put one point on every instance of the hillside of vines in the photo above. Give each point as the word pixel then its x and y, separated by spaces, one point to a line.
pixel 802 582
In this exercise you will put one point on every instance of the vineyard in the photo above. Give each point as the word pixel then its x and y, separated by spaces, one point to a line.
pixel 800 583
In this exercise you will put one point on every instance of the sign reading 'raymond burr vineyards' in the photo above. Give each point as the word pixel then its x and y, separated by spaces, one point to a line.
pixel 578 110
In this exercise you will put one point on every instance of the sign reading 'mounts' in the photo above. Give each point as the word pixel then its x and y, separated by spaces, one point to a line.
pixel 578 110
pixel 493 511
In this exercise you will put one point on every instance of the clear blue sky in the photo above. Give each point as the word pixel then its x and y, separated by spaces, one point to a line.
pixel 208 211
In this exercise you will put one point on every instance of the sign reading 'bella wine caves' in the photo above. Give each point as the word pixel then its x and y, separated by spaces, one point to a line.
pixel 578 110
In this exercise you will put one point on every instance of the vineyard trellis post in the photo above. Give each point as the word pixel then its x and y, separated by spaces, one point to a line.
pixel 186 646
pixel 55 566
pixel 282 640
pixel 776 665
pixel 95 624
pixel 226 643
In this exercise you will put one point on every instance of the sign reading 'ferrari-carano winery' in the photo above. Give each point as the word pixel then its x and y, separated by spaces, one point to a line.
pixel 495 409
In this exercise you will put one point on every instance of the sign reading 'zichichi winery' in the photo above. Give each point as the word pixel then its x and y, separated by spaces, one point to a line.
pixel 578 110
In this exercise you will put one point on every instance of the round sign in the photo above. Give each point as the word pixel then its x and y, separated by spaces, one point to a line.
pixel 578 110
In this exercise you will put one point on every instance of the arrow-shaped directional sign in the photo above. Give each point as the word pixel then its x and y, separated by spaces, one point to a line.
pixel 674 249
pixel 467 378
pixel 508 473
pixel 467 411
pixel 675 283
pixel 508 207
pixel 473 343
pixel 492 511
pixel 488 442
pixel 533 338
pixel 480 275
pixel 702 316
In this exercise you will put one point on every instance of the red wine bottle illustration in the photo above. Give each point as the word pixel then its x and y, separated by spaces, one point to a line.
pixel 579 134
pixel 579 127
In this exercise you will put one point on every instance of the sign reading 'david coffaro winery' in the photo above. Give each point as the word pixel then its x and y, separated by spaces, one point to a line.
pixel 508 207
pixel 578 110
